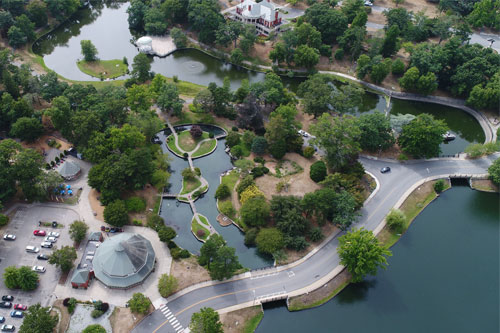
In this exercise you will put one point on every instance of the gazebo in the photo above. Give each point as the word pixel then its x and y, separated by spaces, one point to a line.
pixel 70 170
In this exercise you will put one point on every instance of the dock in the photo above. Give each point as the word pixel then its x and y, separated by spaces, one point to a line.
pixel 226 221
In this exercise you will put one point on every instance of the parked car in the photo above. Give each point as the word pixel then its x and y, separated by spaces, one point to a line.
pixel 50 239
pixel 32 249
pixel 38 269
pixel 8 328
pixel 40 233
pixel 385 170
pixel 2 319
pixel 113 230
pixel 16 314
pixel 46 245
pixel 21 307
pixel 42 256
pixel 8 298
pixel 53 234
pixel 9 237
pixel 5 305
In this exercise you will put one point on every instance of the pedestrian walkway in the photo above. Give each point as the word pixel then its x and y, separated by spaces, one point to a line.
pixel 172 320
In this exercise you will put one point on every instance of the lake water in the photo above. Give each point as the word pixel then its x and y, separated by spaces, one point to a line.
pixel 443 277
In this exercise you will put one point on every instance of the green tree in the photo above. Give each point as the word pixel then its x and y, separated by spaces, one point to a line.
pixel 27 168
pixel 318 171
pixel 376 132
pixel 306 56
pixel 204 16
pixel 339 137
pixel 427 83
pixel 259 145
pixel 493 172
pixel 154 21
pixel 352 41
pixel 330 22
pixel 139 98
pixel 63 258
pixel 28 280
pixel 139 303
pixel 11 277
pixel 316 95
pixel 116 213
pixel 136 12
pixel 380 70
pixel 248 38
pixel 255 212
pixel 27 129
pixel 94 328
pixel 222 191
pixel 38 319
pixel 486 96
pixel 141 67
pixel 237 56
pixel 351 8
pixel 205 321
pixel 389 47
pixel 16 36
pixel 228 32
pixel 166 234
pixel 6 21
pixel 225 263
pixel 308 35
pixel 422 136
pixel 37 13
pixel 89 51
pixel 78 231
pixel 179 37
pixel 208 250
pixel 486 13
pixel 396 220
pixel 168 99
pixel 361 252
pixel 269 240
pixel 409 80
pixel 26 26
pixel 62 9
pixel 398 67
pixel 167 284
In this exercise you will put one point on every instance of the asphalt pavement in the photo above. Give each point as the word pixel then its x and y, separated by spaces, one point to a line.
pixel 175 315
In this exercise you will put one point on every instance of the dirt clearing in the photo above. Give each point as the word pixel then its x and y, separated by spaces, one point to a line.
pixel 243 320
pixel 123 320
pixel 96 206
pixel 188 272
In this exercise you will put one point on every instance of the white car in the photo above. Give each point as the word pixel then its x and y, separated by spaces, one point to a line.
pixel 32 249
pixel 38 269
pixel 46 245
pixel 9 237
pixel 53 234
pixel 50 239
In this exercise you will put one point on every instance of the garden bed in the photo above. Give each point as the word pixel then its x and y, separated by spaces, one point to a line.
pixel 104 69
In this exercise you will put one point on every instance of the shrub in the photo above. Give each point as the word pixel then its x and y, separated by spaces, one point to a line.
pixel 227 208
pixel 135 204
pixel 66 301
pixel 250 192
pixel 171 245
pixel 71 305
pixel 398 67
pixel 244 183
pixel 185 155
pixel 61 155
pixel 339 54
pixel 475 150
pixel 234 129
pixel 269 240
pixel 325 50
pixel 402 157
pixel 95 328
pixel 139 303
pixel 315 234
pixel 66 152
pixel 439 185
pixel 232 139
pixel 96 313
pixel 176 253
pixel 167 285
pixel 308 152
pixel 491 147
pixel 298 243
pixel 259 145
pixel 166 234
pixel 237 151
pixel 116 213
pixel 137 222
pixel 57 159
pixel 52 163
pixel 318 171
pixel 104 307
pixel 47 166
pixel 175 78
pixel 259 171
pixel 211 135
pixel 154 221
pixel 184 254
pixel 196 131
pixel 197 171
pixel 250 236
pixel 260 160
pixel 222 192
pixel 4 219
pixel 200 233
pixel 396 220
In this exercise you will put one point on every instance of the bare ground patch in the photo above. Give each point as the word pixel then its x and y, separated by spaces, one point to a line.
pixel 149 193
pixel 123 320
pixel 485 185
pixel 41 145
pixel 188 272
pixel 321 295
pixel 95 204
pixel 415 6
pixel 236 321
pixel 64 317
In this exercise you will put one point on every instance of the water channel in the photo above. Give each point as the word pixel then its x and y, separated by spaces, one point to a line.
pixel 443 277
pixel 107 28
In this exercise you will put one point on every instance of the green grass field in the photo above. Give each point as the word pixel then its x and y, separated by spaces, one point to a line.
pixel 196 226
pixel 186 141
pixel 189 185
pixel 172 146
pixel 205 147
pixel 106 69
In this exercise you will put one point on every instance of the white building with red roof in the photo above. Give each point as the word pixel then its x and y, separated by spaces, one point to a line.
pixel 263 15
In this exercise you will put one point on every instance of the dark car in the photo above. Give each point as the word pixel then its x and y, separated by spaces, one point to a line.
pixel 385 170
pixel 113 230
pixel 5 305
pixel 8 328
pixel 42 256
pixel 8 298
pixel 16 314
pixel 2 319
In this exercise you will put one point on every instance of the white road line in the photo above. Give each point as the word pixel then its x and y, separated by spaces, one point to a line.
pixel 170 316
pixel 167 313
pixel 165 309
pixel 173 321
pixel 179 328
pixel 176 325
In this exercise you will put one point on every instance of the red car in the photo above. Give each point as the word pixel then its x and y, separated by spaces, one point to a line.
pixel 39 233
pixel 20 307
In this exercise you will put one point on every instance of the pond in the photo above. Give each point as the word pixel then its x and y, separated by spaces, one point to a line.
pixel 443 277
pixel 178 215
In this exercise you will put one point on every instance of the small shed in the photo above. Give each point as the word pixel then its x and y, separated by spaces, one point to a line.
pixel 96 237
pixel 70 170
pixel 81 278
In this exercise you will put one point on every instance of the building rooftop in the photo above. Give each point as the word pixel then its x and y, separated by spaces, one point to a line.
pixel 264 9
pixel 69 169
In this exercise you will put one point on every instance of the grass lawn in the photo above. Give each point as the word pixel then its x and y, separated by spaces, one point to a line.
pixel 172 146
pixel 107 69
pixel 186 141
pixel 195 226
pixel 251 325
pixel 205 147
pixel 189 185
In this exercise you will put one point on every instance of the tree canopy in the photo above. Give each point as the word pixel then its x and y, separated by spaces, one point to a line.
pixel 204 321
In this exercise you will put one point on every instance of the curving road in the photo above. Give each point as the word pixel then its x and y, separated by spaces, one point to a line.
pixel 319 267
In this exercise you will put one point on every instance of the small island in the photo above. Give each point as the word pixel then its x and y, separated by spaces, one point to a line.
pixel 103 69
pixel 195 142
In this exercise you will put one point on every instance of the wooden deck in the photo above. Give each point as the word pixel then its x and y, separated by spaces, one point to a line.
pixel 224 220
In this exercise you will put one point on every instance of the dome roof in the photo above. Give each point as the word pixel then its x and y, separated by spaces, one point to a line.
pixel 123 260
pixel 145 40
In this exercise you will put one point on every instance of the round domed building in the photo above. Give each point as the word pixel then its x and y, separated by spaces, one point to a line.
pixel 124 261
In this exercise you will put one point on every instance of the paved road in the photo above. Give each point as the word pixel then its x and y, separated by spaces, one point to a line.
pixel 276 283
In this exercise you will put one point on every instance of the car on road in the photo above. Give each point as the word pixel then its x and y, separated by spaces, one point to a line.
pixel 38 269
pixel 8 298
pixel 42 256
pixel 40 233
pixel 53 234
pixel 32 249
pixel 8 328
pixel 16 314
pixel 385 170
pixel 46 245
pixel 21 307
pixel 2 319
pixel 9 237
pixel 50 239
pixel 5 305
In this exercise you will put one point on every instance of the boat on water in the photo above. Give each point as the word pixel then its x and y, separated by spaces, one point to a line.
pixel 448 136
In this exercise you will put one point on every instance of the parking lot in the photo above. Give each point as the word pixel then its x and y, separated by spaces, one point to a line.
pixel 13 253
